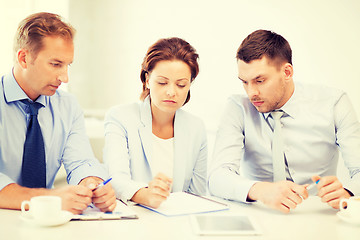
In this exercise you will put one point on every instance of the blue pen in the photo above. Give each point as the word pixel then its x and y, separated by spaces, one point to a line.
pixel 103 183
pixel 99 186
pixel 312 185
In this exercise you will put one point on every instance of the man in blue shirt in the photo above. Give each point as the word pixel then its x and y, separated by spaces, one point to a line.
pixel 316 123
pixel 43 51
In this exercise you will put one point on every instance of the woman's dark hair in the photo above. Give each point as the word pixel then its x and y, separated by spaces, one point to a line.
pixel 169 49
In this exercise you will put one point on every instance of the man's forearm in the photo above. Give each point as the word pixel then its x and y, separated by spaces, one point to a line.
pixel 13 194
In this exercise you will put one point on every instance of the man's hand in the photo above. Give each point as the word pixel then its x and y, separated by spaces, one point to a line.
pixel 330 190
pixel 103 197
pixel 282 196
pixel 74 198
pixel 157 192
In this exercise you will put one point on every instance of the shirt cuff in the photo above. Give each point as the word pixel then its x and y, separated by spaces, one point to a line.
pixel 87 170
pixel 351 194
pixel 353 186
pixel 227 184
pixel 4 181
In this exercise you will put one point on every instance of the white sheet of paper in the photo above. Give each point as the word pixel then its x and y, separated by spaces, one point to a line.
pixel 182 203
pixel 121 211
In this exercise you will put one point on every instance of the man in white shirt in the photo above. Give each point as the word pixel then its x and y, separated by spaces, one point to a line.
pixel 317 122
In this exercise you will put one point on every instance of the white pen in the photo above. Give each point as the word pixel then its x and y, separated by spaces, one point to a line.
pixel 312 185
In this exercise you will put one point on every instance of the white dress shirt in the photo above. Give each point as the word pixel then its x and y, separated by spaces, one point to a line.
pixel 320 122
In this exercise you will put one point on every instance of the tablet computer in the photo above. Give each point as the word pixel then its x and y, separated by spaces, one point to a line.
pixel 224 225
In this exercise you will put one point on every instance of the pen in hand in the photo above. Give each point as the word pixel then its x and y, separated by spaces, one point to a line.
pixel 99 186
pixel 311 186
pixel 102 184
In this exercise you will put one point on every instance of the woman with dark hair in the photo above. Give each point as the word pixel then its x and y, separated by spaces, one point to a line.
pixel 153 147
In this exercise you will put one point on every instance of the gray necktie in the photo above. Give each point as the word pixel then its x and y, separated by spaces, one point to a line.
pixel 278 149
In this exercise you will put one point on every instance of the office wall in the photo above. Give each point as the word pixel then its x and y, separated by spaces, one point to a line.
pixel 11 13
pixel 113 37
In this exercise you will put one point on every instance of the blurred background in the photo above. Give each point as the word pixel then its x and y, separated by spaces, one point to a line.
pixel 113 36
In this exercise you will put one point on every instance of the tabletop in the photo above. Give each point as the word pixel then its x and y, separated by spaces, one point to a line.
pixel 310 220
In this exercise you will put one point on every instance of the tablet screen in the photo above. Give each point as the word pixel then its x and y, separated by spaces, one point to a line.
pixel 224 225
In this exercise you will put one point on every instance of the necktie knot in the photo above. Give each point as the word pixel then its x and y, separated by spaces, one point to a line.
pixel 33 106
pixel 276 115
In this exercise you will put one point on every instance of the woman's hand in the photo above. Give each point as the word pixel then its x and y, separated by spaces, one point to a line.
pixel 157 192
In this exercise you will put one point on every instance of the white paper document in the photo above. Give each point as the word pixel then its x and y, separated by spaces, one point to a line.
pixel 182 203
pixel 121 211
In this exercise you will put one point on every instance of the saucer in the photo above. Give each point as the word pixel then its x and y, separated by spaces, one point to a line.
pixel 343 215
pixel 63 218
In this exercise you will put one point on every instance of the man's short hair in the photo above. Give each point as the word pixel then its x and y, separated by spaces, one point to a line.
pixel 33 29
pixel 265 43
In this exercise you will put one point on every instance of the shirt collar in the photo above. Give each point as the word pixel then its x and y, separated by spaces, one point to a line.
pixel 13 91
pixel 290 107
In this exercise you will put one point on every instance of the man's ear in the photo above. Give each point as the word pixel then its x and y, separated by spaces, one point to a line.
pixel 23 57
pixel 288 71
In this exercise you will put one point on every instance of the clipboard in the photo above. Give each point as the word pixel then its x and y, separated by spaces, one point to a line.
pixel 121 212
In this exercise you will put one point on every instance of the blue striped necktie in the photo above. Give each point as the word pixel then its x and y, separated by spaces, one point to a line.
pixel 33 171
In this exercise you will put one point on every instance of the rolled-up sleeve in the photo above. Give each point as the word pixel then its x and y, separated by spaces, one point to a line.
pixel 78 157
pixel 348 140
pixel 224 178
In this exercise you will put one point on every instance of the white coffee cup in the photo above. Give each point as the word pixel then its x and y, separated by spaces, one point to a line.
pixel 352 206
pixel 43 208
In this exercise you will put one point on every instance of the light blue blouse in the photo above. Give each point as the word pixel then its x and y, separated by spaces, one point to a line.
pixel 128 150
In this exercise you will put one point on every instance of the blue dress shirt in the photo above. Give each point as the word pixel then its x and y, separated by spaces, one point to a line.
pixel 63 129
pixel 320 122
